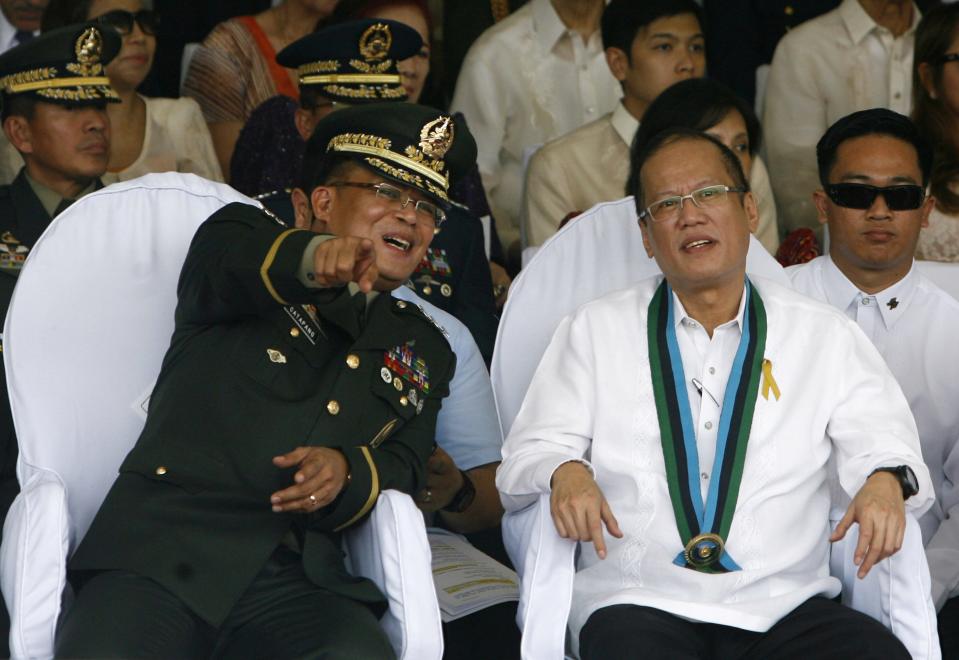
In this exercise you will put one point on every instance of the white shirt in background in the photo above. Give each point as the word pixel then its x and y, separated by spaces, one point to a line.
pixel 914 324
pixel 825 69
pixel 525 81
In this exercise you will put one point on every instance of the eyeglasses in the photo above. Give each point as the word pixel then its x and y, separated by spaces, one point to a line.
pixel 667 210
pixel 428 210
pixel 948 57
pixel 122 21
pixel 862 196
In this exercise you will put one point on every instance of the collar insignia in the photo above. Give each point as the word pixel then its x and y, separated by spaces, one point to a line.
pixel 892 304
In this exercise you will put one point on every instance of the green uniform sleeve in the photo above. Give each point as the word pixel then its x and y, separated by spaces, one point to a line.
pixel 241 263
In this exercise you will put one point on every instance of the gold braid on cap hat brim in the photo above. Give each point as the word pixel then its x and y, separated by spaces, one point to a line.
pixel 347 78
pixel 364 92
pixel 371 145
pixel 37 85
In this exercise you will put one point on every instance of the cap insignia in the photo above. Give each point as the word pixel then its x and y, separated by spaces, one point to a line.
pixel 375 42
pixel 436 137
pixel 89 50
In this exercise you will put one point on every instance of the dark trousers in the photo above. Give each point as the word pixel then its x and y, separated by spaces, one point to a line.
pixel 281 615
pixel 949 629
pixel 819 628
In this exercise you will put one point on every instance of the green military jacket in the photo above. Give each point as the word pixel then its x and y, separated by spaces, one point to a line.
pixel 258 365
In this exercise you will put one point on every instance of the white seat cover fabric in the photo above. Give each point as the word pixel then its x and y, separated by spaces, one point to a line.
pixel 942 274
pixel 88 326
pixel 599 252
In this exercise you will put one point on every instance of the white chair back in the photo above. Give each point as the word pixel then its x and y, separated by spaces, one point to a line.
pixel 598 252
pixel 82 351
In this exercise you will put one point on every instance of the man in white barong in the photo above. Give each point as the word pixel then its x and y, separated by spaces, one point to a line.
pixel 694 416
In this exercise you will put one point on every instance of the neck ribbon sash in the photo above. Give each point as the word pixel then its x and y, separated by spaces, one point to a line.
pixel 704 526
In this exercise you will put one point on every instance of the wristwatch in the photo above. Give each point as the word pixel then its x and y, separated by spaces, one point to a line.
pixel 906 477
pixel 464 496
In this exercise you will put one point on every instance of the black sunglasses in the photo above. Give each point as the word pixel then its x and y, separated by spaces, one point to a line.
pixel 122 21
pixel 861 196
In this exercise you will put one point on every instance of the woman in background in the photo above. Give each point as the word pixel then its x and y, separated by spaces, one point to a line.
pixel 935 102
pixel 147 134
pixel 235 68
pixel 712 107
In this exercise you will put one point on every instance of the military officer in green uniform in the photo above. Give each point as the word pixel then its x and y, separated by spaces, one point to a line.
pixel 53 92
pixel 355 63
pixel 290 396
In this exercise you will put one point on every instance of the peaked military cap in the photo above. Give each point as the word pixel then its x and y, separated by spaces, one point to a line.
pixel 353 62
pixel 415 145
pixel 64 66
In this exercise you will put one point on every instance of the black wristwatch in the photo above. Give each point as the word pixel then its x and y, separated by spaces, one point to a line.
pixel 464 496
pixel 906 477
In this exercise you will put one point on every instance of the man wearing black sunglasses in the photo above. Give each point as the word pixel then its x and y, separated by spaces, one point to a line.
pixel 874 170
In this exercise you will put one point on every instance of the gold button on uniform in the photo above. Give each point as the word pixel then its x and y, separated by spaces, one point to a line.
pixel 789 10
pixel 333 407
pixel 294 332
pixel 404 401
pixel 401 304
pixel 398 384
pixel 161 471
pixel 352 361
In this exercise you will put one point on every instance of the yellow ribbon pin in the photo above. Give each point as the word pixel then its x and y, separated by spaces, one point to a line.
pixel 769 383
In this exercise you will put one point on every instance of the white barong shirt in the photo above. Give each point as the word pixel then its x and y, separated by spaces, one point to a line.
pixel 591 399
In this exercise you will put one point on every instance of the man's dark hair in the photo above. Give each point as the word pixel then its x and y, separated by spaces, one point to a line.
pixel 643 152
pixel 877 121
pixel 623 19
pixel 17 106
pixel 698 103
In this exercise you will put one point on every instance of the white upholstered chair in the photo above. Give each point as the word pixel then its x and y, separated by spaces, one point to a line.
pixel 599 252
pixel 942 274
pixel 89 324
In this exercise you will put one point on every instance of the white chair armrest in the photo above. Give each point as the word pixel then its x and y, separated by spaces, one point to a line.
pixel 33 563
pixel 896 592
pixel 546 566
pixel 391 549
